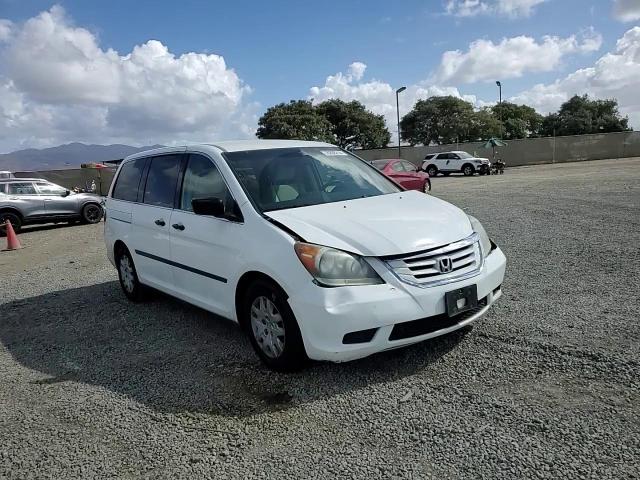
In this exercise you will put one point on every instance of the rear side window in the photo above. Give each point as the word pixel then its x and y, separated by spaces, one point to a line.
pixel 22 189
pixel 430 156
pixel 160 188
pixel 128 180
pixel 397 167
pixel 409 167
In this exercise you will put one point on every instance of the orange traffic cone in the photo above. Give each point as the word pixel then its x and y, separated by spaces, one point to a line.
pixel 12 239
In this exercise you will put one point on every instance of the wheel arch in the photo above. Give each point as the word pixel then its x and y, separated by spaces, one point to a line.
pixel 243 284
pixel 118 247
pixel 13 210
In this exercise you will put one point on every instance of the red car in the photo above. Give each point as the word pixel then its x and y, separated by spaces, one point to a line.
pixel 405 173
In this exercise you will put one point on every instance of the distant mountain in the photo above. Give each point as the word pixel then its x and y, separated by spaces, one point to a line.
pixel 70 155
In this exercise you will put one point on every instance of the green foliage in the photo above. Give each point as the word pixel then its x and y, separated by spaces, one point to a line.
pixel 297 119
pixel 353 124
pixel 438 120
pixel 485 125
pixel 334 121
pixel 520 121
pixel 580 115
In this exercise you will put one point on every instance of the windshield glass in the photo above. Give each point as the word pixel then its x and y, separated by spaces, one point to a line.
pixel 464 155
pixel 295 177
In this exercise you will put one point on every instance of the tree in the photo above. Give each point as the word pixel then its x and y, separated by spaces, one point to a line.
pixel 297 119
pixel 519 121
pixel 580 115
pixel 484 125
pixel 352 123
pixel 438 120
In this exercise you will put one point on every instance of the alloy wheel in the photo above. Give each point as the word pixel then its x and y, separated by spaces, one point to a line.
pixel 267 326
pixel 126 273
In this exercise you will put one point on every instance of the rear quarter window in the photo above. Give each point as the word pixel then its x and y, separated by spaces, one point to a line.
pixel 128 180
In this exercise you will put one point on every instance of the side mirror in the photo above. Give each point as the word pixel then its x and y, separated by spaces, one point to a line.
pixel 211 206
pixel 66 193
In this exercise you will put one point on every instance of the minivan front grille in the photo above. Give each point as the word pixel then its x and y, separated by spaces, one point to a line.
pixel 439 265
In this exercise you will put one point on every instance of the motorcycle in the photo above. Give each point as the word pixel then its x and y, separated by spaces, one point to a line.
pixel 497 167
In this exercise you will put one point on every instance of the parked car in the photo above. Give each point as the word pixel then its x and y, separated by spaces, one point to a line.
pixel 314 252
pixel 404 173
pixel 455 162
pixel 26 201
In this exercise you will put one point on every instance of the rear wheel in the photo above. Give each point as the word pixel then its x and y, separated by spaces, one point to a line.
pixel 128 276
pixel 91 213
pixel 13 218
pixel 432 170
pixel 272 328
pixel 467 170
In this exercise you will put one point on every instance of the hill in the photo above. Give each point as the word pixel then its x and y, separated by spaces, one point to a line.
pixel 70 155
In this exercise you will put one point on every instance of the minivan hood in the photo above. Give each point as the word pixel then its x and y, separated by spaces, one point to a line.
pixel 378 226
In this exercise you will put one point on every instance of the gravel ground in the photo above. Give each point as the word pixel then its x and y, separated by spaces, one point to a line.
pixel 545 386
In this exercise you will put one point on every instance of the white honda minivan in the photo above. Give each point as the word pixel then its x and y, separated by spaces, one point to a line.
pixel 314 252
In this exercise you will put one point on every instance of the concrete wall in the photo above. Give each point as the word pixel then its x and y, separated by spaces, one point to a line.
pixel 531 151
pixel 75 177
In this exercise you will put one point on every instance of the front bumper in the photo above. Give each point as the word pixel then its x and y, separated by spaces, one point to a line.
pixel 326 315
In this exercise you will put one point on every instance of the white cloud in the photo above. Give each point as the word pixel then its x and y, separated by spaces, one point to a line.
pixel 5 29
pixel 614 75
pixel 508 8
pixel 379 96
pixel 59 85
pixel 511 57
pixel 626 10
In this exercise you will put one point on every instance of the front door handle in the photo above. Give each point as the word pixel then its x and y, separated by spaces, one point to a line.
pixel 178 226
pixel 160 222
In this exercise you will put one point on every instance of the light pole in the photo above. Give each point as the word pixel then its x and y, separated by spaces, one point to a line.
pixel 499 102
pixel 401 89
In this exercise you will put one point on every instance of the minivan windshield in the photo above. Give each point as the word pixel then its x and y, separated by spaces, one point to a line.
pixel 281 178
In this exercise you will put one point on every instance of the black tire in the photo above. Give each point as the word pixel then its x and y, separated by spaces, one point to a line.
pixel 426 188
pixel 432 170
pixel 289 354
pixel 14 219
pixel 468 170
pixel 129 282
pixel 91 213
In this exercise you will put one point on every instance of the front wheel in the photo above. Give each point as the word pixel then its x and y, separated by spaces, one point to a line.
pixel 91 213
pixel 272 328
pixel 426 188
pixel 14 220
pixel 467 170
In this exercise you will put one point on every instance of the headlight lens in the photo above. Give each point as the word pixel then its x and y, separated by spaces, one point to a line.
pixel 334 268
pixel 485 243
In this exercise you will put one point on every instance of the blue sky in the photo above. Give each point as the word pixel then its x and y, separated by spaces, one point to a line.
pixel 279 50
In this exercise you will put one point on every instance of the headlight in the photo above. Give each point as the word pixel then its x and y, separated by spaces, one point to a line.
pixel 334 268
pixel 485 243
pixel 477 161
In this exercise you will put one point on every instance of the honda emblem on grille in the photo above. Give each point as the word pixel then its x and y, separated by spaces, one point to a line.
pixel 445 265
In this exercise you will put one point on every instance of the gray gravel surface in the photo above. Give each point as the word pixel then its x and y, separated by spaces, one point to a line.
pixel 545 386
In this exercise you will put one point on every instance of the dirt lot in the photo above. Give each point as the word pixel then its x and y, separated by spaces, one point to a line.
pixel 546 386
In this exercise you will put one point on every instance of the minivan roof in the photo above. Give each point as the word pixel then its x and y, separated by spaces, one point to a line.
pixel 16 179
pixel 234 146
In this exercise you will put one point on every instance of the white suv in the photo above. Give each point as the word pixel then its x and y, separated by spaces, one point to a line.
pixel 314 252
pixel 456 161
